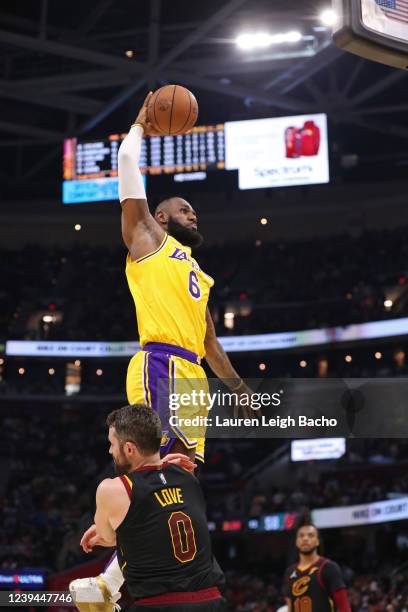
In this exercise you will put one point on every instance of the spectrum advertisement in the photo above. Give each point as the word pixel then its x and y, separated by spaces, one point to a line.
pixel 278 152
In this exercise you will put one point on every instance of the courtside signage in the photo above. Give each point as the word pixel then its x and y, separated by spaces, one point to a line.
pixel 231 344
pixel 320 448
pixel 363 514
pixel 347 516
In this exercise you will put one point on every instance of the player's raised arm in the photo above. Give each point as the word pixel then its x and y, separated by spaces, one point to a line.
pixel 140 232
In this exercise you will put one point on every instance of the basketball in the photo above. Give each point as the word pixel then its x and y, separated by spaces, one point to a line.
pixel 172 109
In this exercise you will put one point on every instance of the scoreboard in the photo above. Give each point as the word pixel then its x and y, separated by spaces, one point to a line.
pixel 201 149
pixel 271 152
pixel 91 168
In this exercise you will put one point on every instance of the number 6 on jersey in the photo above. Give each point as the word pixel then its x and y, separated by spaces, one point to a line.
pixel 193 286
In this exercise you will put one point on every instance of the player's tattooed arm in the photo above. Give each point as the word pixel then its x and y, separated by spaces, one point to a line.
pixel 222 367
pixel 217 358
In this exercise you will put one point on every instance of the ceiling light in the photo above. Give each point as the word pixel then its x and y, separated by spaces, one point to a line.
pixel 328 17
pixel 286 37
pixel 245 41
pixel 261 40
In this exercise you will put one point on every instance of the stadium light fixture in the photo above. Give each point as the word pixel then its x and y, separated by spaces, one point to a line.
pixel 388 304
pixel 249 41
pixel 229 320
pixel 378 355
pixel 328 17
pixel 289 37
pixel 264 221
pixel 262 366
pixel 303 363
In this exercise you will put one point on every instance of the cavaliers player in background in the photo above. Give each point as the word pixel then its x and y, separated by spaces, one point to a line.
pixel 313 583
pixel 154 514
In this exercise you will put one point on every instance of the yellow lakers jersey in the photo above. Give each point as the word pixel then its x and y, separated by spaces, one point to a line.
pixel 170 292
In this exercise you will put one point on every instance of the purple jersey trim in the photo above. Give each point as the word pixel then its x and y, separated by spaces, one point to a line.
pixel 171 349
pixel 113 557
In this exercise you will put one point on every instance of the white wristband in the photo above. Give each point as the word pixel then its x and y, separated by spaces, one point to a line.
pixel 130 178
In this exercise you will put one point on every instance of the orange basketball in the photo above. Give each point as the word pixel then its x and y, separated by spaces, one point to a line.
pixel 172 109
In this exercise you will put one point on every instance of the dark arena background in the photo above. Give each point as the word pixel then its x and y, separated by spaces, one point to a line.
pixel 305 219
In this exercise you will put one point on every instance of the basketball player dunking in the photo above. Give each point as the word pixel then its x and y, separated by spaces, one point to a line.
pixel 170 292
pixel 154 513
pixel 314 583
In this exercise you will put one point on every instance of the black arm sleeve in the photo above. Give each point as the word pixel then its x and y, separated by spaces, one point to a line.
pixel 332 577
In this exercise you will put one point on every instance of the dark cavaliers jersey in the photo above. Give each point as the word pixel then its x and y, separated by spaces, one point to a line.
pixel 163 543
pixel 311 589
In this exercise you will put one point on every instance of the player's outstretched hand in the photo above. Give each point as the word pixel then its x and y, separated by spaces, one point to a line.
pixel 242 407
pixel 91 538
pixel 142 117
pixel 182 460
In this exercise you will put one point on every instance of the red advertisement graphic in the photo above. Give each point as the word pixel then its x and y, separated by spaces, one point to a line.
pixel 293 142
pixel 303 141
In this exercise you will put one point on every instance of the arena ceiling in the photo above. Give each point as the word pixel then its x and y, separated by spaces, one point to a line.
pixel 83 67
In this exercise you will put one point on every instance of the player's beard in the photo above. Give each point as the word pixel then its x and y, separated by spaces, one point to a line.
pixel 186 235
pixel 309 552
pixel 122 467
